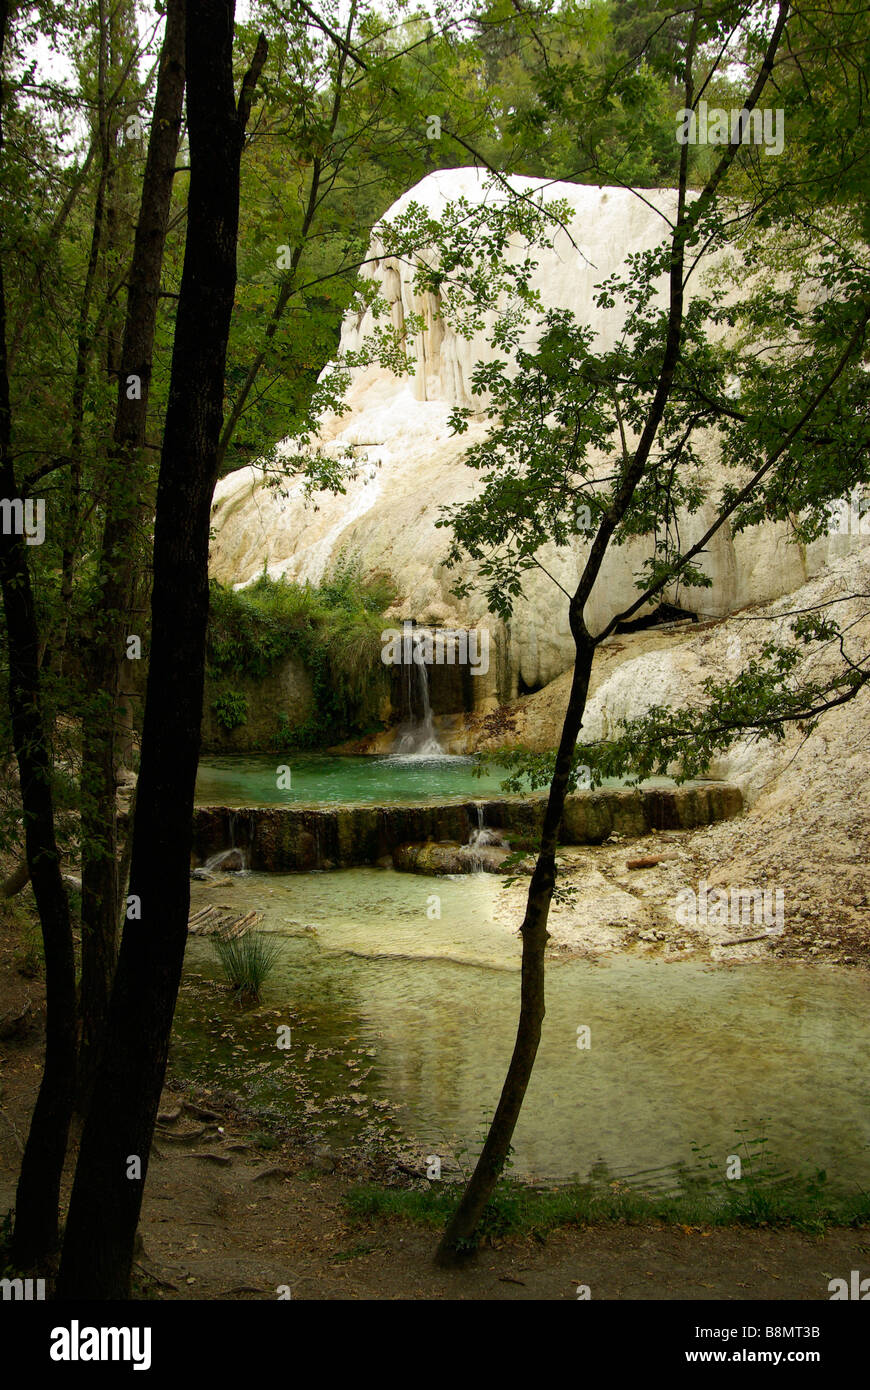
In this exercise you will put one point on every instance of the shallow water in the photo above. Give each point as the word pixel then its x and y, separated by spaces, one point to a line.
pixel 680 1054
pixel 251 780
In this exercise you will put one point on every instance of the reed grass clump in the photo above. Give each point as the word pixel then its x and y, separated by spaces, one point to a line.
pixel 247 961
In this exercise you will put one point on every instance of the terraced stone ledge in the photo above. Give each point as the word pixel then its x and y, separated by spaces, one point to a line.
pixel 285 839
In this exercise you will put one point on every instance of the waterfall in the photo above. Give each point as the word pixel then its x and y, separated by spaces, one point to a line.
pixel 228 861
pixel 479 838
pixel 479 834
pixel 417 738
pixel 475 839
pixel 234 859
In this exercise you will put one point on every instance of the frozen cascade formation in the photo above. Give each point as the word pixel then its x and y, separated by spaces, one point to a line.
pixel 410 465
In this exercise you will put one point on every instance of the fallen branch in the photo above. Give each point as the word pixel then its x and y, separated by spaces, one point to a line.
pixel 16 880
pixel 742 940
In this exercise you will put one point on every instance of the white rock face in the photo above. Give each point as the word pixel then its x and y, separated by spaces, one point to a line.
pixel 411 466
pixel 676 677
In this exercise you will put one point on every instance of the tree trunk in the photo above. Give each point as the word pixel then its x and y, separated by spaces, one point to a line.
pixel 36 1204
pixel 458 1239
pixel 125 478
pixel 107 1192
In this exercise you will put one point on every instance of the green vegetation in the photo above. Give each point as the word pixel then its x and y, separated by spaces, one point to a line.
pixel 30 959
pixel 247 962
pixel 764 1195
pixel 516 1208
pixel 333 628
pixel 231 709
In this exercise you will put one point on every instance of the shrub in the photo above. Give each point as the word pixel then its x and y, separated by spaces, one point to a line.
pixel 231 709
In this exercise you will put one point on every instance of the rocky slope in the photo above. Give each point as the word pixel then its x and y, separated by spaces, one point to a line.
pixel 807 829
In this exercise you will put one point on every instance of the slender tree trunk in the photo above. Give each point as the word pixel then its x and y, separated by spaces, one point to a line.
pixel 16 880
pixel 125 479
pixel 287 289
pixel 36 1206
pixel 113 1157
pixel 458 1239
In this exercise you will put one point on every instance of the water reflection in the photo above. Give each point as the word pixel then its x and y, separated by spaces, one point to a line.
pixel 680 1054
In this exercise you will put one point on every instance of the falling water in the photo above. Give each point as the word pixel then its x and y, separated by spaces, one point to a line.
pixel 234 859
pixel 418 738
pixel 480 834
pixel 479 837
pixel 226 861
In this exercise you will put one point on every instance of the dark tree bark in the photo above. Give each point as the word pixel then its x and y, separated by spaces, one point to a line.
pixel 105 1204
pixel 36 1205
pixel 125 477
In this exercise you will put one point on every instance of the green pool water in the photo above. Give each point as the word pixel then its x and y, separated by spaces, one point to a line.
pixel 247 780
pixel 421 1009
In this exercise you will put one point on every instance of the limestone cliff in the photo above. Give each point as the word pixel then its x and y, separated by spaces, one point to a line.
pixel 411 466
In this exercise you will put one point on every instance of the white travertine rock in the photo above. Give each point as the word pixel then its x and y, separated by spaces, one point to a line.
pixel 411 466
pixel 675 676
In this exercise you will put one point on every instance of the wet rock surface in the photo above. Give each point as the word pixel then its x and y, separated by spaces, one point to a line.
pixel 299 838
pixel 456 859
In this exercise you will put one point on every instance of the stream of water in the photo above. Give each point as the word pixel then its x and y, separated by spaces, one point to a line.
pixel 680 1054
pixel 416 736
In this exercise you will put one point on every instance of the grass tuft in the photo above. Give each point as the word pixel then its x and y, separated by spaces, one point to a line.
pixel 247 962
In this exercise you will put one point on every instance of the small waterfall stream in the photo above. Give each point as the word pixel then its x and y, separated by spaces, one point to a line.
pixel 417 738
pixel 235 859
pixel 479 837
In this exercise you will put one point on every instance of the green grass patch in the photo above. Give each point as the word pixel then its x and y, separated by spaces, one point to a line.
pixel 517 1208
